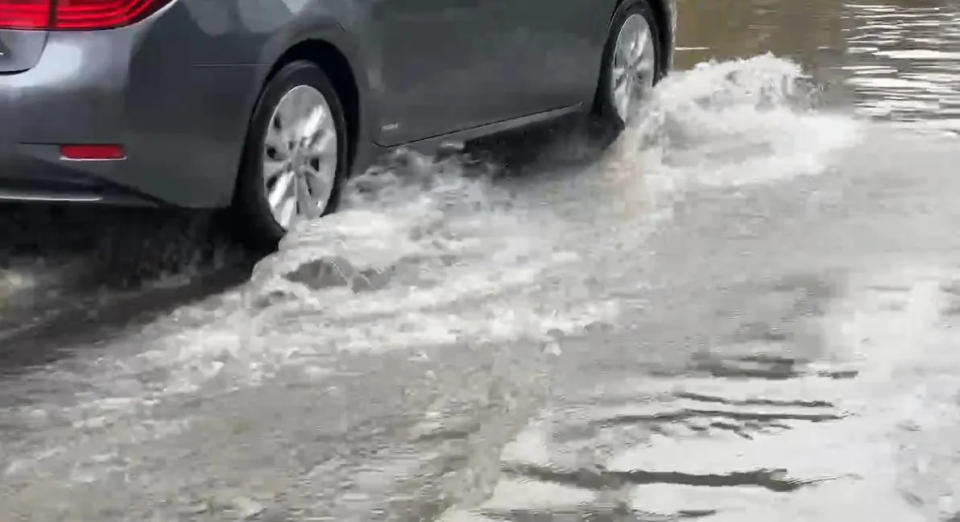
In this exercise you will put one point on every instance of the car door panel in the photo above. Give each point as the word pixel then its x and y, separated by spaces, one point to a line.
pixel 555 48
pixel 449 65
pixel 430 55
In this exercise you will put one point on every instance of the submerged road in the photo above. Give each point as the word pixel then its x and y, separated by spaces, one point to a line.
pixel 745 309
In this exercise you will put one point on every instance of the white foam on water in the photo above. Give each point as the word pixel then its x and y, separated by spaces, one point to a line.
pixel 430 253
pixel 436 256
pixel 424 254
pixel 734 123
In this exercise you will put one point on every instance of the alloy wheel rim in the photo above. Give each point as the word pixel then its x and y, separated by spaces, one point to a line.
pixel 634 65
pixel 299 156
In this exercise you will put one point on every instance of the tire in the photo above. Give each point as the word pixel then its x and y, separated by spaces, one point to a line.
pixel 605 105
pixel 256 222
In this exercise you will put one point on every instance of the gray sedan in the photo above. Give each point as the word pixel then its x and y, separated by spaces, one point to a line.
pixel 267 106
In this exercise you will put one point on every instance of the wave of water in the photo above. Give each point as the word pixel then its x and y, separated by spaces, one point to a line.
pixel 761 430
pixel 434 268
pixel 728 124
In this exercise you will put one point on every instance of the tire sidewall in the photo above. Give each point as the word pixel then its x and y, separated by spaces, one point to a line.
pixel 251 198
pixel 604 103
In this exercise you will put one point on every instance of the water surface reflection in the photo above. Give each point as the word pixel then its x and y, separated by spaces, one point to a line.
pixel 895 60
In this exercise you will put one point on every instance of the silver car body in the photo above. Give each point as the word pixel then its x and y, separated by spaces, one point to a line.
pixel 177 89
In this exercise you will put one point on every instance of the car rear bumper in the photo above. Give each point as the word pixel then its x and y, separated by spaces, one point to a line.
pixel 69 96
pixel 182 130
pixel 35 172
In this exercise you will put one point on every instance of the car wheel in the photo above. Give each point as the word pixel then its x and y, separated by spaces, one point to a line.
pixel 631 64
pixel 295 154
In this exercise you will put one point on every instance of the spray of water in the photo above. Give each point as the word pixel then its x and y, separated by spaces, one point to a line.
pixel 733 123
pixel 428 258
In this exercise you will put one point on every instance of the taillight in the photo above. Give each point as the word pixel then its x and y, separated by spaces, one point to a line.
pixel 25 14
pixel 102 14
pixel 75 14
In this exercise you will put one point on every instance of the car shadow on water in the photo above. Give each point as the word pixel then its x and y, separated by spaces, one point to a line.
pixel 91 247
pixel 571 142
pixel 78 274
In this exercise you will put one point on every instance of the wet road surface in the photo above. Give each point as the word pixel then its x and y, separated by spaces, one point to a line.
pixel 744 309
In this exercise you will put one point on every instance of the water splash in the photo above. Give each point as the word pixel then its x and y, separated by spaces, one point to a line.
pixel 432 268
pixel 727 124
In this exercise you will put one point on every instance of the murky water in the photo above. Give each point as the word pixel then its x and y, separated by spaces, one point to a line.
pixel 892 60
pixel 744 309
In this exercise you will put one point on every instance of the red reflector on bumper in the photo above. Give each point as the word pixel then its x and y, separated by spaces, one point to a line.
pixel 92 152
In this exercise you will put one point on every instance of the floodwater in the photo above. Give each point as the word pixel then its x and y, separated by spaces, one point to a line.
pixel 745 309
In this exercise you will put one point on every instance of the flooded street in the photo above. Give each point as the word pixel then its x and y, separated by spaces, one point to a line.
pixel 744 309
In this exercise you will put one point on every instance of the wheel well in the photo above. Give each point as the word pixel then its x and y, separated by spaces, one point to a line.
pixel 335 65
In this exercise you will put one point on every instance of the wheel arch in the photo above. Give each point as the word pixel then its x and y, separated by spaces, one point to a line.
pixel 332 53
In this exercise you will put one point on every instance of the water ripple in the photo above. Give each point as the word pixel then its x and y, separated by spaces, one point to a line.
pixel 903 63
